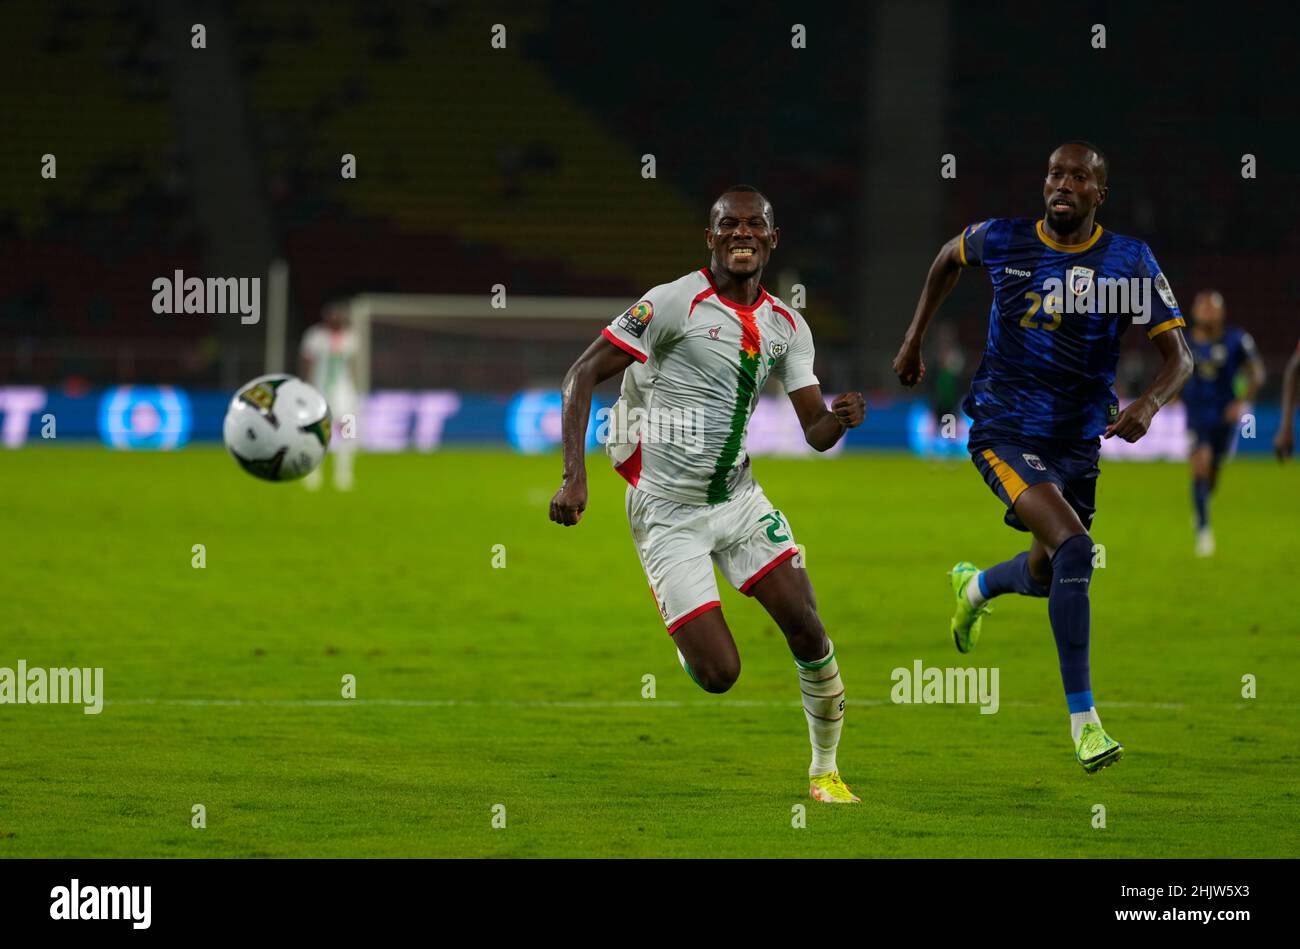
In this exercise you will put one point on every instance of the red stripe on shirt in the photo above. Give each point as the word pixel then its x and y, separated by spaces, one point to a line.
pixel 786 314
pixel 626 347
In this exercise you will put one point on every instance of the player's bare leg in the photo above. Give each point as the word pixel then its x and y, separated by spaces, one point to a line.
pixel 1061 536
pixel 708 651
pixel 787 595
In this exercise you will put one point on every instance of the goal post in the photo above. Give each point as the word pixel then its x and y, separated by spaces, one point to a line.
pixel 473 315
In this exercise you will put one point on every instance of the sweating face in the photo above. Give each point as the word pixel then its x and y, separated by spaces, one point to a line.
pixel 1073 187
pixel 741 234
pixel 1208 312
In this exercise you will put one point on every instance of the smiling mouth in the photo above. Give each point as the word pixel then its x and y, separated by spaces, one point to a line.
pixel 1060 204
pixel 745 252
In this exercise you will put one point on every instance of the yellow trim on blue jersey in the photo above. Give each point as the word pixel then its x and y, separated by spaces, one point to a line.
pixel 1014 484
pixel 1068 248
pixel 961 248
pixel 1169 324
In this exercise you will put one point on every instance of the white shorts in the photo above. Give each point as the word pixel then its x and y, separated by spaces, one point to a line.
pixel 342 400
pixel 679 543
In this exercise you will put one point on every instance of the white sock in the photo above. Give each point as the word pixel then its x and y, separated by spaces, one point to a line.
pixel 823 706
pixel 1079 719
pixel 973 594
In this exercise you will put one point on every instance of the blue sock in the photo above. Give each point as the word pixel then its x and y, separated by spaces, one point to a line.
pixel 1070 613
pixel 1010 576
pixel 1079 701
pixel 1201 497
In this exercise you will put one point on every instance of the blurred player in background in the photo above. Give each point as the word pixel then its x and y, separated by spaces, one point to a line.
pixel 1042 398
pixel 945 385
pixel 329 355
pixel 1214 408
pixel 701 349
pixel 1284 441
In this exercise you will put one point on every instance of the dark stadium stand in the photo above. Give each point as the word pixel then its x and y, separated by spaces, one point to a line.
pixel 521 166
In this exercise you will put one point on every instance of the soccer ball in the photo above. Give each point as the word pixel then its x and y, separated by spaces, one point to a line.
pixel 278 427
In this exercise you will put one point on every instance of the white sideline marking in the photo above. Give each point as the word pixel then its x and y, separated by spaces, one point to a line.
pixel 451 703
pixel 581 703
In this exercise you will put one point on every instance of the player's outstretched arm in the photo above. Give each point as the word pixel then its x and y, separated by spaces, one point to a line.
pixel 823 427
pixel 1175 368
pixel 1256 374
pixel 939 282
pixel 1284 441
pixel 602 360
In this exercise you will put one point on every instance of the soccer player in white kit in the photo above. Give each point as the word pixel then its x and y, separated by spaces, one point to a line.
pixel 329 353
pixel 695 354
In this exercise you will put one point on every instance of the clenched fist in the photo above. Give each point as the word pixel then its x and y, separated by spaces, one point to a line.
pixel 908 364
pixel 850 408
pixel 569 502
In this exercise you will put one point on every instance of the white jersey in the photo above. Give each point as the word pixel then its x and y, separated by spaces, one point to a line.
pixel 331 353
pixel 678 430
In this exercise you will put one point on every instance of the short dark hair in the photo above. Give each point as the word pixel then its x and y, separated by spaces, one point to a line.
pixel 743 189
pixel 1101 156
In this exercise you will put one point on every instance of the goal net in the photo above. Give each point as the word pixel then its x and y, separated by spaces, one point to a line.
pixel 439 368
pixel 465 343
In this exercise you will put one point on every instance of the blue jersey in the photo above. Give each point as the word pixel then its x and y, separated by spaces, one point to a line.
pixel 1048 365
pixel 1218 361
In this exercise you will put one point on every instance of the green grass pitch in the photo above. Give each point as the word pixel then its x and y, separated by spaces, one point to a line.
pixel 522 686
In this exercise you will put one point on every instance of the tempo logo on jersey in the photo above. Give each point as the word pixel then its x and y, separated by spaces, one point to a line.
pixel 637 318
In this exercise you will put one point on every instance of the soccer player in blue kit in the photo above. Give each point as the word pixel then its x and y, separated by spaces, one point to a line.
pixel 1213 409
pixel 1041 399
pixel 1284 440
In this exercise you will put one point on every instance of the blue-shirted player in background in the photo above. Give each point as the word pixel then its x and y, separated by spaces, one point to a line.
pixel 1214 409
pixel 1284 440
pixel 1042 399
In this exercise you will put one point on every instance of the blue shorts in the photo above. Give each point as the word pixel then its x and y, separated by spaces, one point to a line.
pixel 1221 437
pixel 1012 465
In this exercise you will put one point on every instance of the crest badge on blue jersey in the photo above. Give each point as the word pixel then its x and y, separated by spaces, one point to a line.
pixel 1166 292
pixel 1081 280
